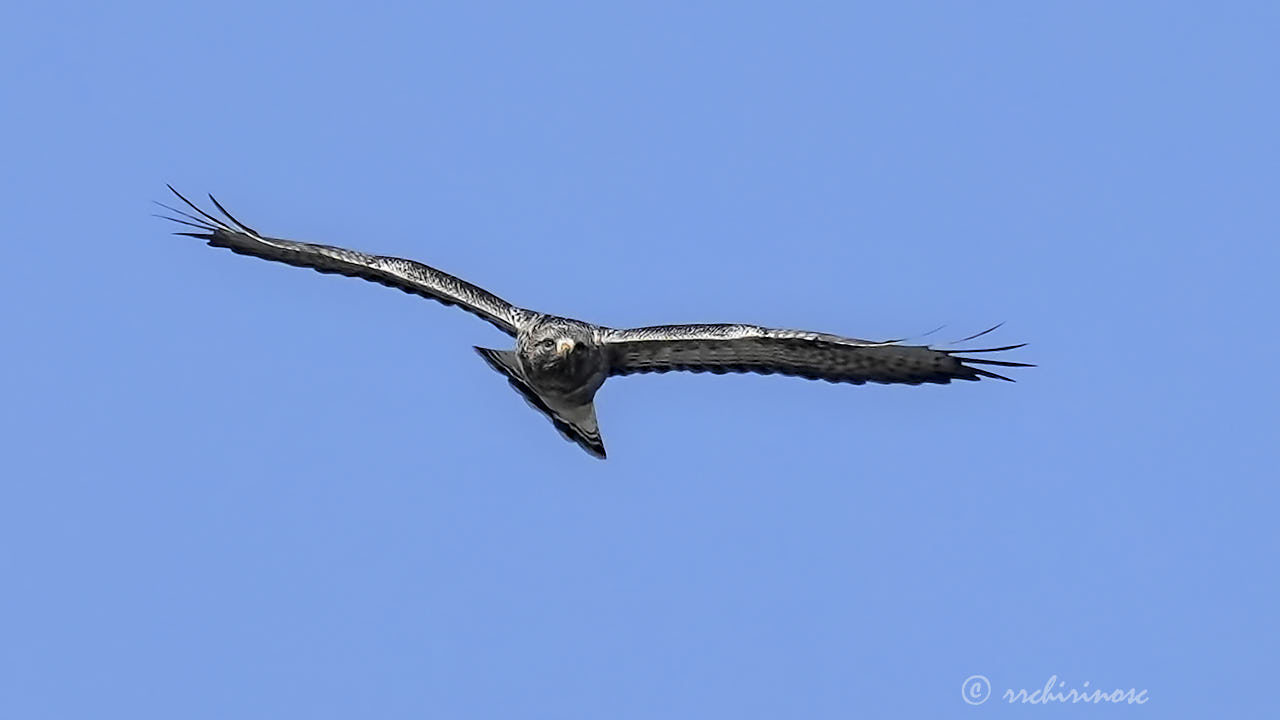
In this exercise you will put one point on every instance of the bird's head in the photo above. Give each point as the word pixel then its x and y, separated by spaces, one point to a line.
pixel 558 344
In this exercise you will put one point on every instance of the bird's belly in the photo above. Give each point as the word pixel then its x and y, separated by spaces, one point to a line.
pixel 565 384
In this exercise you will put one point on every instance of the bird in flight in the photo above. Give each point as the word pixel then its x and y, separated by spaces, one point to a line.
pixel 559 363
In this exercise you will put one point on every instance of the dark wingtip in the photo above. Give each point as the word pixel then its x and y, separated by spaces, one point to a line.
pixel 180 196
pixel 984 361
pixel 193 206
pixel 1001 363
pixel 231 217
pixel 200 222
pixel 994 349
pixel 181 222
pixel 984 332
pixel 989 374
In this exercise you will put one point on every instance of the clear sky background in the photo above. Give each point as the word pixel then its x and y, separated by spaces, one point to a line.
pixel 238 489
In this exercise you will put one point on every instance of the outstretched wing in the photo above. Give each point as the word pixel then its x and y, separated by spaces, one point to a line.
pixel 818 356
pixel 407 275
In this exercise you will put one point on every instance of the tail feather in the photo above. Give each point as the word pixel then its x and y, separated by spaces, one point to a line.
pixel 577 423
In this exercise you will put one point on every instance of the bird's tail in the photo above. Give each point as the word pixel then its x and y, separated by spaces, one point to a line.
pixel 577 423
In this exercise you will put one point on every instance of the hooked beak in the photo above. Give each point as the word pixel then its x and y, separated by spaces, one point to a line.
pixel 564 346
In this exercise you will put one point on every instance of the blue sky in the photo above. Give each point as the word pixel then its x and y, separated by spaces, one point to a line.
pixel 238 489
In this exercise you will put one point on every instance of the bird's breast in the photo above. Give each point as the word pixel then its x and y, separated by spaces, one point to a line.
pixel 576 376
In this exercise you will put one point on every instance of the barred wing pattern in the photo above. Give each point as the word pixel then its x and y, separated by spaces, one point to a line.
pixel 817 356
pixel 407 275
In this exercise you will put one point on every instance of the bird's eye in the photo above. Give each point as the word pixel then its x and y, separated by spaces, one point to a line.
pixel 547 343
